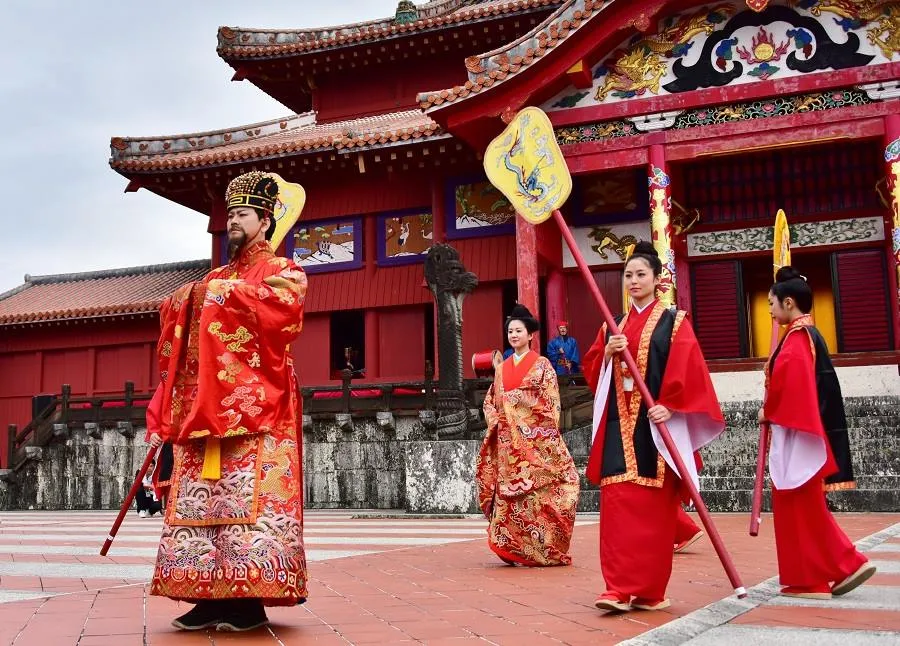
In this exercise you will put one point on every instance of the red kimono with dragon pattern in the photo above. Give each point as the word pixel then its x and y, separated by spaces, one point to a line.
pixel 527 482
pixel 234 518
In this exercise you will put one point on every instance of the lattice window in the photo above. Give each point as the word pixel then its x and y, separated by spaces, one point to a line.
pixel 812 180
pixel 718 311
pixel 863 305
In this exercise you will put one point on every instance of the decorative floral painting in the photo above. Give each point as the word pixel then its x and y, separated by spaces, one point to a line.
pixel 329 245
pixel 479 209
pixel 404 237
pixel 725 43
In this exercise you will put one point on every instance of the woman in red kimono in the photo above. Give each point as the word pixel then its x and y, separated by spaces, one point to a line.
pixel 640 489
pixel 527 481
pixel 810 452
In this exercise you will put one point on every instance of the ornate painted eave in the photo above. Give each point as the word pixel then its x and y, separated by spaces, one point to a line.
pixel 494 67
pixel 296 134
pixel 235 43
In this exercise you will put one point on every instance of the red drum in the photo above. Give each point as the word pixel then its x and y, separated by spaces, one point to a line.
pixel 483 362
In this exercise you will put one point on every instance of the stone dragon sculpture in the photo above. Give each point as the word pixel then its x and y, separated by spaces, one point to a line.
pixel 449 282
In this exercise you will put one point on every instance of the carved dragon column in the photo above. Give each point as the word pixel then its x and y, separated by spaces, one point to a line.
pixel 660 190
pixel 892 171
pixel 449 282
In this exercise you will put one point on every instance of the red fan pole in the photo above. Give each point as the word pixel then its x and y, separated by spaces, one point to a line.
pixel 756 508
pixel 708 524
pixel 138 483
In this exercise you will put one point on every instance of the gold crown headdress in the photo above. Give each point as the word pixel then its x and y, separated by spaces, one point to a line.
pixel 282 200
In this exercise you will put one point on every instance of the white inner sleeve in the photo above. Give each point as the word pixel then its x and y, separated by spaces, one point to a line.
pixel 794 457
pixel 690 432
pixel 601 398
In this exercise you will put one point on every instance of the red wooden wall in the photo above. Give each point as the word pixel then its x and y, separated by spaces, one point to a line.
pixel 863 301
pixel 402 347
pixel 584 316
pixel 311 350
pixel 482 323
pixel 375 92
pixel 93 358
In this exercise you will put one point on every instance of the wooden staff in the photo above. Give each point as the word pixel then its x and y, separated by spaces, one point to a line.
pixel 138 483
pixel 756 507
pixel 706 519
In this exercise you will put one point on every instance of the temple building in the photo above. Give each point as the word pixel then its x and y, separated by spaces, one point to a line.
pixel 688 123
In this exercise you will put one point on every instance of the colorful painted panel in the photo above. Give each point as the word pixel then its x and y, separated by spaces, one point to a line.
pixel 478 209
pixel 404 237
pixel 606 244
pixel 327 245
pixel 615 196
pixel 725 43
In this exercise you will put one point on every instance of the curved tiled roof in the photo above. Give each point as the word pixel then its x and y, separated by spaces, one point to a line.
pixel 295 134
pixel 238 43
pixel 133 290
pixel 500 64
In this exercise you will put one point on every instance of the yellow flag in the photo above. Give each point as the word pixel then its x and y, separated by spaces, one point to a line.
pixel 288 207
pixel 525 164
pixel 626 299
pixel 781 247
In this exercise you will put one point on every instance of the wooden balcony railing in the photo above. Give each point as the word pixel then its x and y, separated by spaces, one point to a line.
pixel 63 410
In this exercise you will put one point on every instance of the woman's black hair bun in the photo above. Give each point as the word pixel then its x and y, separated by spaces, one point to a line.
pixel 645 249
pixel 787 273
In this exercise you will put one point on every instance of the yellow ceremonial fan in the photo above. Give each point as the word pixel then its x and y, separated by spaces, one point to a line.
pixel 781 247
pixel 626 297
pixel 527 166
pixel 288 207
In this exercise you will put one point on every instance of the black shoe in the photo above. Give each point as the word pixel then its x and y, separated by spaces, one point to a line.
pixel 205 614
pixel 243 615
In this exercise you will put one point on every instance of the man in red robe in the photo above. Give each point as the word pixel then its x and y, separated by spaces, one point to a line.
pixel 232 542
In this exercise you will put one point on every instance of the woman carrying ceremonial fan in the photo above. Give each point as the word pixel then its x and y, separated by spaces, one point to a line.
pixel 640 488
pixel 527 481
pixel 810 452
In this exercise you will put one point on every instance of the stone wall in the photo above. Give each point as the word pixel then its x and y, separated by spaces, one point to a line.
pixel 78 472
pixel 395 463
pixel 726 481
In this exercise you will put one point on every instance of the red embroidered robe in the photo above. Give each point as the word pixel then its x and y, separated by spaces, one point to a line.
pixel 229 400
pixel 527 482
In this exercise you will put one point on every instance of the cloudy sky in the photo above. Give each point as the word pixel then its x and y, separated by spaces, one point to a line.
pixel 76 74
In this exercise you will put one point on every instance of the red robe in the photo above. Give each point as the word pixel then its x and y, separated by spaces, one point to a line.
pixel 639 506
pixel 527 481
pixel 229 403
pixel 812 548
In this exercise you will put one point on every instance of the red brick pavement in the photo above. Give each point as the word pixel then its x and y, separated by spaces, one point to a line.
pixel 448 594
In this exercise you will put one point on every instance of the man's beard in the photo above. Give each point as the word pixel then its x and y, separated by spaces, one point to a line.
pixel 235 244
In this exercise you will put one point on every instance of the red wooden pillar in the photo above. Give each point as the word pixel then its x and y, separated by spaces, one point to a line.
pixel 527 269
pixel 218 225
pixel 373 337
pixel 556 300
pixel 892 170
pixel 438 211
pixel 661 220
pixel 438 235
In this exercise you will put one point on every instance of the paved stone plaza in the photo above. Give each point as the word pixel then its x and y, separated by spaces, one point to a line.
pixel 410 580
